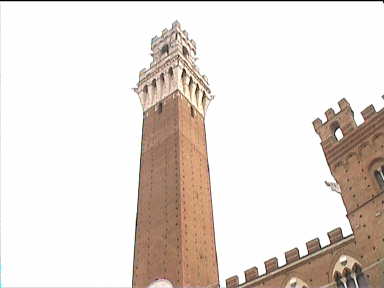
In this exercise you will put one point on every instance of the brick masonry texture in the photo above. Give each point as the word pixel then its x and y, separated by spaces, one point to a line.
pixel 174 231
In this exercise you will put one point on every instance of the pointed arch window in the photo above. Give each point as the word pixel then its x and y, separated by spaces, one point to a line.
pixel 296 283
pixel 348 274
pixel 360 277
pixel 165 49
pixel 170 72
pixel 185 52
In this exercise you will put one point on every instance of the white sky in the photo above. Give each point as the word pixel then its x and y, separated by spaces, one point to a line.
pixel 71 128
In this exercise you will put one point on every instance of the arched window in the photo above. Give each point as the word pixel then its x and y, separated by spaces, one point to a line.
pixel 339 282
pixel 296 283
pixel 185 52
pixel 350 279
pixel 162 80
pixel 165 49
pixel 360 277
pixel 379 175
pixel 184 75
pixel 170 72
pixel 348 273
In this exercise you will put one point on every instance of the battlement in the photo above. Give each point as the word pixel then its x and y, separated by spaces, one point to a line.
pixel 292 258
pixel 343 120
pixel 176 28
pixel 171 41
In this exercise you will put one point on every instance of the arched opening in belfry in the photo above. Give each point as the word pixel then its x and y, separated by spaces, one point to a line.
pixel 165 49
pixel 170 72
pixel 185 52
pixel 183 74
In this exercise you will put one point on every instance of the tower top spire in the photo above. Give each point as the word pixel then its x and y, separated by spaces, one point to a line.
pixel 173 68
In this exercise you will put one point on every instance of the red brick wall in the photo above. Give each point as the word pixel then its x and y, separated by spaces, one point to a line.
pixel 174 229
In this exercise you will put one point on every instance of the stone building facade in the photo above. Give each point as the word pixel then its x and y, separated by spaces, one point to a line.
pixel 175 240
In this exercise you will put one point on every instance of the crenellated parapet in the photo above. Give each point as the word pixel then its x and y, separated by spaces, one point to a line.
pixel 173 68
pixel 293 259
pixel 352 134
pixel 343 120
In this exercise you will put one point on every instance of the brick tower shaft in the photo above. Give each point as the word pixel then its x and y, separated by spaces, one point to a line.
pixel 174 227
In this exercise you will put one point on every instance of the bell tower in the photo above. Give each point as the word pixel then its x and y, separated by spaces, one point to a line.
pixel 174 240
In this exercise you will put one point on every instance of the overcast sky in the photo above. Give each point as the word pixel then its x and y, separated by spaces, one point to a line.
pixel 71 128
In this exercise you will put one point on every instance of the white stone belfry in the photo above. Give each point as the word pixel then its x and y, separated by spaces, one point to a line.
pixel 173 68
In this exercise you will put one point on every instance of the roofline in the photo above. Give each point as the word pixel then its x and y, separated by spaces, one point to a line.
pixel 280 269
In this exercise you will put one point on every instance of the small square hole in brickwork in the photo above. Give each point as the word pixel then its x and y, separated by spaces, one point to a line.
pixel 338 134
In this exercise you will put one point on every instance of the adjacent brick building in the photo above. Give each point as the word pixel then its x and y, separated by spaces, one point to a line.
pixel 175 240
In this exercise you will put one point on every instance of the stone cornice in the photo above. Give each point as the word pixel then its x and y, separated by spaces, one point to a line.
pixel 152 71
pixel 195 73
pixel 175 57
